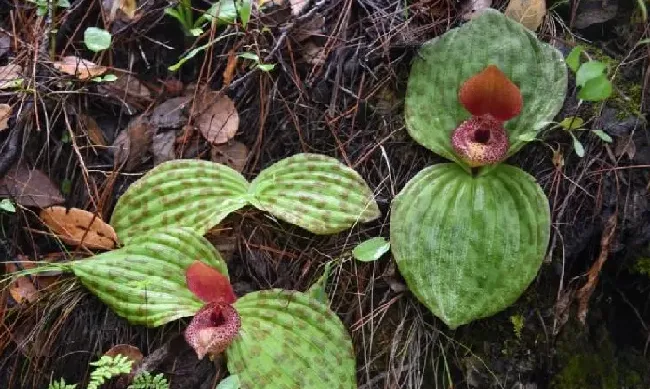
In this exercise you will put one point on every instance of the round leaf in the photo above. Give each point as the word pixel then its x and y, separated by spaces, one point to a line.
pixel 432 108
pixel 469 246
pixel 97 39
pixel 302 333
pixel 315 192
pixel 144 282
pixel 371 250
pixel 184 193
pixel 596 89
pixel 589 71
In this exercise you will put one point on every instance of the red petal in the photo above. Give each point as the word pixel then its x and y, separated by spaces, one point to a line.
pixel 208 284
pixel 212 329
pixel 491 93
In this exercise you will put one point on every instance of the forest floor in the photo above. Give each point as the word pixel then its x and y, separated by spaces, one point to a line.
pixel 336 88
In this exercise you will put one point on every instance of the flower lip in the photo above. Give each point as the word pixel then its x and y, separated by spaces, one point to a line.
pixel 480 140
pixel 491 92
pixel 212 329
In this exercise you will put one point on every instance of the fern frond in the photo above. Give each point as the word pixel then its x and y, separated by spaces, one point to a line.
pixel 108 367
pixel 145 380
pixel 61 385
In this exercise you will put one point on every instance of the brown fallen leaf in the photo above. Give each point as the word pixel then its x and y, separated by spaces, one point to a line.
pixel 79 67
pixel 5 114
pixel 30 187
pixel 76 226
pixel 313 54
pixel 297 6
pixel 95 133
pixel 171 113
pixel 233 154
pixel 10 76
pixel 530 13
pixel 132 145
pixel 314 27
pixel 131 352
pixel 219 120
pixel 584 294
pixel 127 87
pixel 22 289
pixel 163 146
pixel 125 9
pixel 5 43
pixel 229 72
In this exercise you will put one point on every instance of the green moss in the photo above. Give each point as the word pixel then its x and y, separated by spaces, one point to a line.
pixel 587 371
pixel 642 266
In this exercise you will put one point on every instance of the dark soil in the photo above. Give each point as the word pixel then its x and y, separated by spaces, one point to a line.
pixel 349 107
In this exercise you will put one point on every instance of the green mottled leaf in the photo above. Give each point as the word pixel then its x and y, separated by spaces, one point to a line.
pixel 184 193
pixel 315 192
pixel 469 246
pixel 432 108
pixel 144 281
pixel 290 340
pixel 371 249
pixel 230 382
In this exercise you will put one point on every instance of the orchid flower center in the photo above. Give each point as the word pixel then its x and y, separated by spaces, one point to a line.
pixel 492 99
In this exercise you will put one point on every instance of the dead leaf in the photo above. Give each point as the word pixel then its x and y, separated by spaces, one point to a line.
pixel 163 146
pixel 10 76
pixel 79 67
pixel 233 154
pixel 584 293
pixel 591 12
pixel 127 89
pixel 314 27
pixel 297 6
pixel 473 8
pixel 625 145
pixel 530 13
pixel 5 43
pixel 131 352
pixel 171 113
pixel 5 114
pixel 219 119
pixel 313 54
pixel 132 144
pixel 76 226
pixel 229 72
pixel 95 133
pixel 125 9
pixel 30 187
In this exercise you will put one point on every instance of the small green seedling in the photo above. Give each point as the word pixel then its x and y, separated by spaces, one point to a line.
pixel 591 76
pixel 43 6
pixel 371 249
pixel 575 123
pixel 7 205
pixel 97 39
pixel 221 12
pixel 265 67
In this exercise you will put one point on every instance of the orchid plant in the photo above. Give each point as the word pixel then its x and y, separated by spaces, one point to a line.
pixel 469 236
pixel 174 272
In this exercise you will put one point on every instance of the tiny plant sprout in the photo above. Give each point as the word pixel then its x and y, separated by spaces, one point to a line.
pixel 492 99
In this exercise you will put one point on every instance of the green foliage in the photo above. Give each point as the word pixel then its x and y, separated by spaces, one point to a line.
pixel 312 191
pixel 230 382
pixel 144 281
pixel 591 77
pixel 43 6
pixel 146 380
pixel 432 108
pixel 571 124
pixel 97 39
pixel 517 324
pixel 108 367
pixel 469 242
pixel 371 249
pixel 61 384
pixel 469 246
pixel 7 205
pixel 265 67
pixel 221 12
pixel 289 326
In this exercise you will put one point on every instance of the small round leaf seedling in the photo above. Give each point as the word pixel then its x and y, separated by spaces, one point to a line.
pixel 371 250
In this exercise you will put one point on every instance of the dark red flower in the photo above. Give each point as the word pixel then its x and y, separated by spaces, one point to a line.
pixel 492 99
pixel 217 323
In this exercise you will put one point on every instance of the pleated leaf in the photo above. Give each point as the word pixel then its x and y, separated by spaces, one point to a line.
pixel 432 106
pixel 184 193
pixel 315 192
pixel 290 340
pixel 144 281
pixel 469 246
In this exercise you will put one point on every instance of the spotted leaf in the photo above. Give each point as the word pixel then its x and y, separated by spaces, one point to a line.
pixel 433 108
pixel 315 192
pixel 469 246
pixel 288 339
pixel 184 193
pixel 144 281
